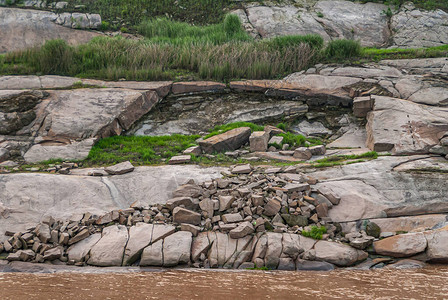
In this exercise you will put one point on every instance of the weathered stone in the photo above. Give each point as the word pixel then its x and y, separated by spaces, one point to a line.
pixel 404 127
pixel 53 254
pixel 79 236
pixel 305 265
pixel 274 249
pixel 225 202
pixel 317 150
pixel 196 150
pixel 406 264
pixel 230 140
pixel 232 218
pixel 207 206
pixel 139 237
pixel 258 141
pixel 176 249
pixel 322 210
pixel 79 251
pixel 121 168
pixel 402 245
pixel 311 129
pixel 338 254
pixel 196 87
pixel 276 140
pixel 187 202
pixel 182 215
pixel 153 255
pixel 242 169
pixel 295 187
pixel 257 200
pixel 437 250
pixel 191 228
pixel 188 190
pixel 295 220
pixel 302 153
pixel 372 229
pixel 179 159
pixel 272 207
pixel 242 230
pixel 330 195
pixel 200 245
pixel 291 245
pixel 109 250
pixel 43 233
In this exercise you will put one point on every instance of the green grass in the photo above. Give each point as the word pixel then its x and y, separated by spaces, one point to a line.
pixel 425 4
pixel 315 232
pixel 298 140
pixel 337 160
pixel 139 150
pixel 342 49
pixel 374 54
pixel 224 128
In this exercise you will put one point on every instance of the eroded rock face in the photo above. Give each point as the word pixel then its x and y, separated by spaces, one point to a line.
pixel 108 251
pixel 25 28
pixel 404 127
pixel 348 20
pixel 415 28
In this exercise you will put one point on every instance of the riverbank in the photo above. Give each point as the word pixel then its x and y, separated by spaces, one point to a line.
pixel 340 284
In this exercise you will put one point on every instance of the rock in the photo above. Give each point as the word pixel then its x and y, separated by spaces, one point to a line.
pixel 121 168
pixel 182 215
pixel 419 28
pixel 79 236
pixel 191 228
pixel 295 220
pixel 109 250
pixel 372 229
pixel 258 141
pixel 207 206
pixel 246 265
pixel 153 255
pixel 274 250
pixel 338 254
pixel 53 254
pixel 39 27
pixel 43 233
pixel 295 187
pixel 79 251
pixel 276 140
pixel 437 250
pixel 305 265
pixel 140 237
pixel 196 150
pixel 286 264
pixel 176 249
pixel 275 21
pixel 291 245
pixel 230 140
pixel 232 218
pixel 330 195
pixel 196 87
pixel 225 202
pixel 23 255
pixel 188 190
pixel 187 203
pixel 311 129
pixel 348 20
pixel 402 245
pixel 431 96
pixel 406 264
pixel 179 159
pixel 242 169
pixel 362 105
pixel 302 153
pixel 272 207
pixel 243 229
pixel 322 210
pixel 404 127
pixel 317 150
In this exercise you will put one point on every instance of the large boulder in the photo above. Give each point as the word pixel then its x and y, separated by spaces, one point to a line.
pixel 338 254
pixel 402 245
pixel 227 141
pixel 109 250
pixel 77 252
pixel 437 250
pixel 177 249
pixel 139 237
pixel 404 127
pixel 37 27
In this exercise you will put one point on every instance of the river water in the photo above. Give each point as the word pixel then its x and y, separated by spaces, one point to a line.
pixel 427 283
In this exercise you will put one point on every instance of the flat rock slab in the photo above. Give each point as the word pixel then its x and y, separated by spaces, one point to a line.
pixel 197 87
pixel 403 245
pixel 109 250
pixel 179 159
pixel 121 168
pixel 38 27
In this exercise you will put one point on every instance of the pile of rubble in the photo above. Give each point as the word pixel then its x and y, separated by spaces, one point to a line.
pixel 243 205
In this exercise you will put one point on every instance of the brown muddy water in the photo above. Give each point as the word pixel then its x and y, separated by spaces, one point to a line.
pixel 427 283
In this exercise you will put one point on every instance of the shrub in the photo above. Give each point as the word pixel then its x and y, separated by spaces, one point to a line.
pixel 232 25
pixel 281 126
pixel 315 232
pixel 343 49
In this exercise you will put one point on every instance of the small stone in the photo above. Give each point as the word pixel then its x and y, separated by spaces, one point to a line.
pixel 196 150
pixel 191 228
pixel 225 202
pixel 317 150
pixel 322 210
pixel 272 207
pixel 232 218
pixel 63 239
pixel 53 254
pixel 286 153
pixel 259 141
pixel 257 200
pixel 182 215
pixel 295 220
pixel 372 229
pixel 242 169
pixel 79 237
pixel 179 159
pixel 302 153
pixel 242 230
pixel 178 201
pixel 121 168
pixel 330 195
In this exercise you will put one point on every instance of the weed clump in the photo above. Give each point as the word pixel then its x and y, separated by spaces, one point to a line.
pixel 315 232
pixel 343 49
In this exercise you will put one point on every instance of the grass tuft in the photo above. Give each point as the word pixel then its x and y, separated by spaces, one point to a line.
pixel 315 232
pixel 224 128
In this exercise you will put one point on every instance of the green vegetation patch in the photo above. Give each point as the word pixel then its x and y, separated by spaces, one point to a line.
pixel 348 159
pixel 139 149
pixel 298 140
pixel 374 54
pixel 315 232
pixel 224 128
